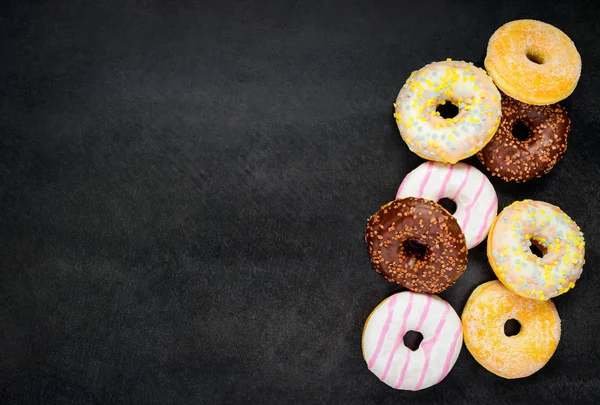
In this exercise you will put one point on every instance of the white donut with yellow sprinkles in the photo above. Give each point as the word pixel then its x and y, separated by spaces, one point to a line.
pixel 448 140
pixel 558 239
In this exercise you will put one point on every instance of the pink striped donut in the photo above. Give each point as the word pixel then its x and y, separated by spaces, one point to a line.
pixel 475 197
pixel 383 340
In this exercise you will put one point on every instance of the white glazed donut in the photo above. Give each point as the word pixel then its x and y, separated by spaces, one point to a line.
pixel 561 241
pixel 383 340
pixel 434 137
pixel 475 197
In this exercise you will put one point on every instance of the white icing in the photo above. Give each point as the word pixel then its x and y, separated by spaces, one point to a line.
pixel 475 197
pixel 394 363
pixel 448 140
pixel 514 263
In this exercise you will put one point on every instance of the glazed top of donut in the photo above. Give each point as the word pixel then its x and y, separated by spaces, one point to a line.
pixel 433 137
pixel 519 160
pixel 418 244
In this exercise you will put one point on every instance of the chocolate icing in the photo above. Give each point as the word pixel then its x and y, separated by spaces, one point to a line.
pixel 517 160
pixel 416 243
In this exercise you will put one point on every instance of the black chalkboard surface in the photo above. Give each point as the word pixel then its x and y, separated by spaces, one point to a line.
pixel 184 189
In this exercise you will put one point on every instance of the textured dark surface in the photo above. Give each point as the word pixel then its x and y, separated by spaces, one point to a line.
pixel 184 189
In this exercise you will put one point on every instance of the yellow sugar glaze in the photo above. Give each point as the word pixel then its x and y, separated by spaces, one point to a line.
pixel 533 62
pixel 487 310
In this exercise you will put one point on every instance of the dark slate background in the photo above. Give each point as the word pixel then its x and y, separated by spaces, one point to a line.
pixel 184 188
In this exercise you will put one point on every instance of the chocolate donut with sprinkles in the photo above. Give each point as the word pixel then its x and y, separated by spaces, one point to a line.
pixel 519 160
pixel 416 243
pixel 448 139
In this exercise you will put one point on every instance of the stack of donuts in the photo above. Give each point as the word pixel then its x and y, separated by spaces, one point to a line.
pixel 534 248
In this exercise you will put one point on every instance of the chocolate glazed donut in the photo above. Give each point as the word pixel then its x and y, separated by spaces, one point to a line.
pixel 517 160
pixel 416 243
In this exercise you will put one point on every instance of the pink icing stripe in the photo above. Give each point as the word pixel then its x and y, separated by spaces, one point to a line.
pixel 384 331
pixel 420 324
pixel 486 221
pixel 399 338
pixel 403 372
pixel 473 202
pixel 427 176
pixel 450 353
pixel 402 185
pixel 445 183
pixel 462 185
pixel 428 346
pixel 424 313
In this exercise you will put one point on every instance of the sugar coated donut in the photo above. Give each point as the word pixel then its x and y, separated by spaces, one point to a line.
pixel 433 137
pixel 416 243
pixel 517 160
pixel 555 234
pixel 532 61
pixel 397 365
pixel 484 316
pixel 475 197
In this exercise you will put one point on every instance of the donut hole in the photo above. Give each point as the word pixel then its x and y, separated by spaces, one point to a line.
pixel 537 248
pixel 412 339
pixel 520 131
pixel 448 204
pixel 447 109
pixel 535 57
pixel 512 327
pixel 415 248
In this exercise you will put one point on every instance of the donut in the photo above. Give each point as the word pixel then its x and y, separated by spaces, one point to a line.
pixel 416 243
pixel 517 160
pixel 434 137
pixel 532 61
pixel 397 365
pixel 475 197
pixel 484 317
pixel 557 236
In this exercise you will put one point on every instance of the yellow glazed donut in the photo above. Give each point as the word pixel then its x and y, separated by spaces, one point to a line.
pixel 557 236
pixel 485 314
pixel 448 140
pixel 533 62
